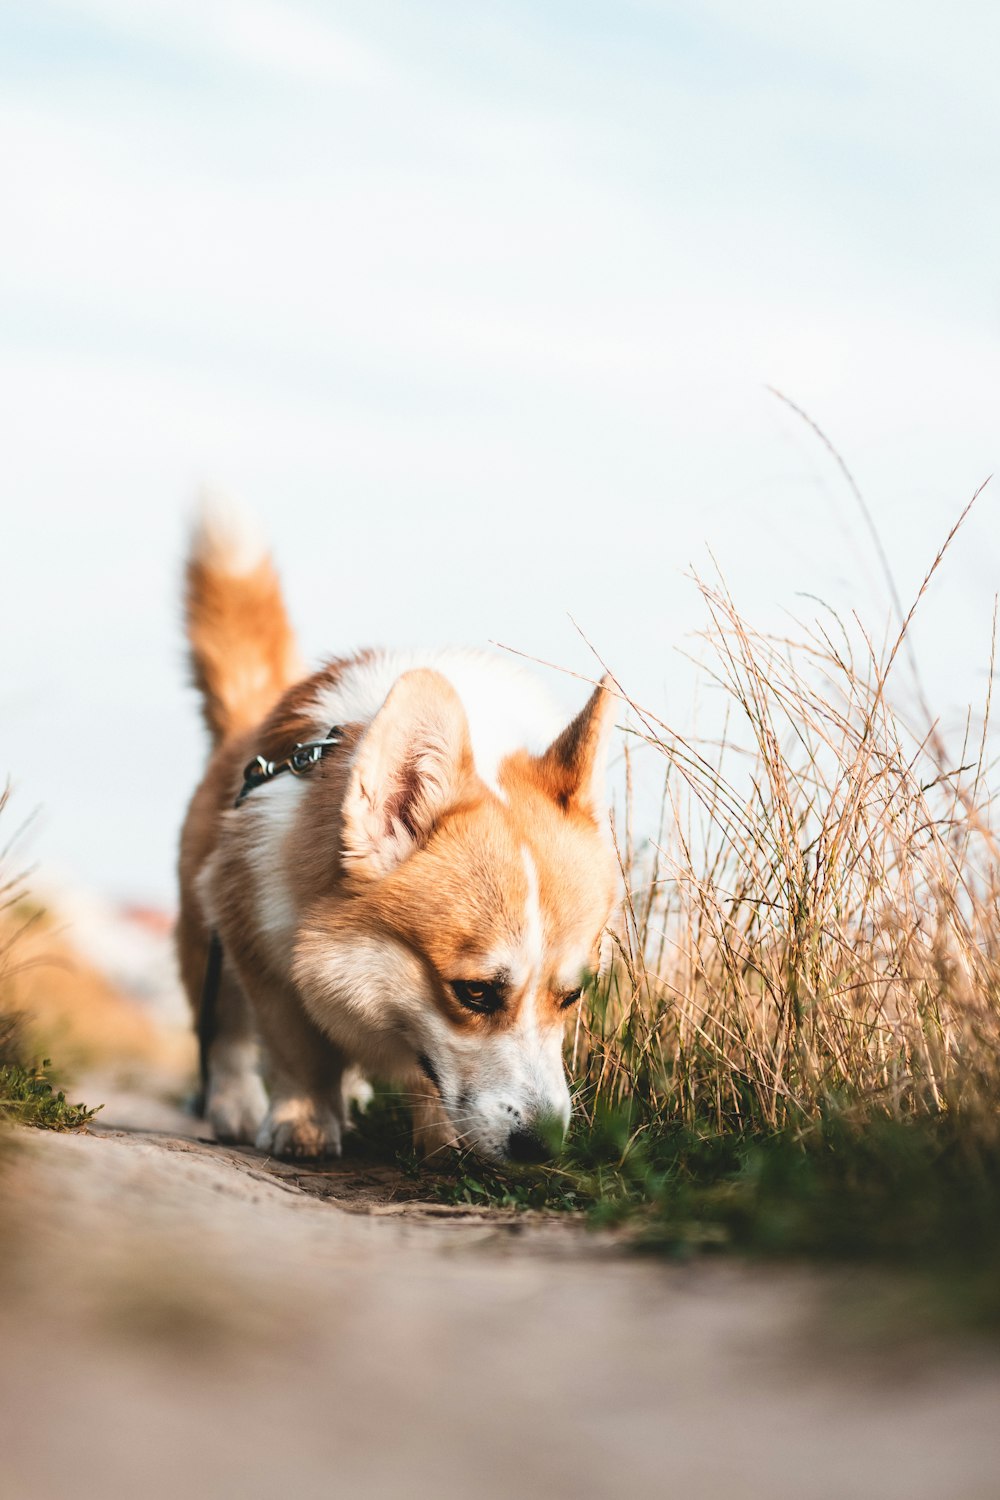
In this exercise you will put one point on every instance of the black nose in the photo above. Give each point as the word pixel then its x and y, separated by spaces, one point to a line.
pixel 526 1145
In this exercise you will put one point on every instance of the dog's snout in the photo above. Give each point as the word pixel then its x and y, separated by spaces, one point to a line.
pixel 528 1146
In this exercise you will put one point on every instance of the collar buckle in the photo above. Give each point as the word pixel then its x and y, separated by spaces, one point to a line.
pixel 302 759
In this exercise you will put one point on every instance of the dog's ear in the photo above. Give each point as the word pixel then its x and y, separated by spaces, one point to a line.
pixel 573 768
pixel 410 767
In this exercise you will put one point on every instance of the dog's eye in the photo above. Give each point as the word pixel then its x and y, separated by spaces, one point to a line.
pixel 570 999
pixel 478 995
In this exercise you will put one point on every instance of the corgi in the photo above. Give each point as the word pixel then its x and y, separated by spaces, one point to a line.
pixel 419 900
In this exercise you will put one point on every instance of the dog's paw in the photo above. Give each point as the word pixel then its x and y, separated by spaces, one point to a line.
pixel 236 1106
pixel 300 1128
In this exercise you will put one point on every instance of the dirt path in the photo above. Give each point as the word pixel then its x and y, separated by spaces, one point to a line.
pixel 182 1319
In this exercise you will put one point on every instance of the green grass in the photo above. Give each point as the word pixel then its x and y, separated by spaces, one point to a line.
pixel 919 1195
pixel 28 1095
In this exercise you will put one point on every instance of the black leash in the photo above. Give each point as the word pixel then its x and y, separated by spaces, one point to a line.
pixel 259 770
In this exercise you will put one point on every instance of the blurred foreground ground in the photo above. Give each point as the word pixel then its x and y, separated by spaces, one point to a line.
pixel 178 1317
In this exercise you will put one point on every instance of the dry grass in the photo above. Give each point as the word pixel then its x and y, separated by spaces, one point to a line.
pixel 27 1095
pixel 63 1003
pixel 69 1008
pixel 818 926
pixel 53 1004
pixel 795 1048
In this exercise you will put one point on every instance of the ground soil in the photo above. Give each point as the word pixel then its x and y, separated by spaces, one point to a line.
pixel 180 1318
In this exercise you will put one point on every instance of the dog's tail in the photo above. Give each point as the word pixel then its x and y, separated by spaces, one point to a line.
pixel 242 648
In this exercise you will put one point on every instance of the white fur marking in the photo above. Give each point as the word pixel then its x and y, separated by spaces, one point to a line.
pixel 507 708
pixel 269 815
pixel 225 538
pixel 534 933
pixel 236 1102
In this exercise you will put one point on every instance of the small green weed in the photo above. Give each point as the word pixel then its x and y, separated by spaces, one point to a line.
pixel 27 1094
pixel 27 1097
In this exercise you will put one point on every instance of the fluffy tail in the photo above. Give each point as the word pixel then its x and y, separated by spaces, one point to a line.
pixel 242 648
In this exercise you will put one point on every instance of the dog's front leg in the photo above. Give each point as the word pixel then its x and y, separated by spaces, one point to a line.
pixel 235 1101
pixel 304 1072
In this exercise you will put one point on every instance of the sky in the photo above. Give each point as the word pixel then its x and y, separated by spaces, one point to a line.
pixel 475 307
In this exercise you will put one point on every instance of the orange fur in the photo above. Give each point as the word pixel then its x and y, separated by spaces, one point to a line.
pixel 242 648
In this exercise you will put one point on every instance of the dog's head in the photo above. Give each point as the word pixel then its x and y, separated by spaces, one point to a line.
pixel 469 917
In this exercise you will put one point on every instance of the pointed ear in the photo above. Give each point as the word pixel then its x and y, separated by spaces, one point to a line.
pixel 574 767
pixel 409 768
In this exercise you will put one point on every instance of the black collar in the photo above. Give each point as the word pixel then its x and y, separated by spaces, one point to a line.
pixel 301 760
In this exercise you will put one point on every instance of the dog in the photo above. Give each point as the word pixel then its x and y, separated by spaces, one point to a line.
pixel 420 897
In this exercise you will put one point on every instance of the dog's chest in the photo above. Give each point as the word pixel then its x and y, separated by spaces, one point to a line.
pixel 268 854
